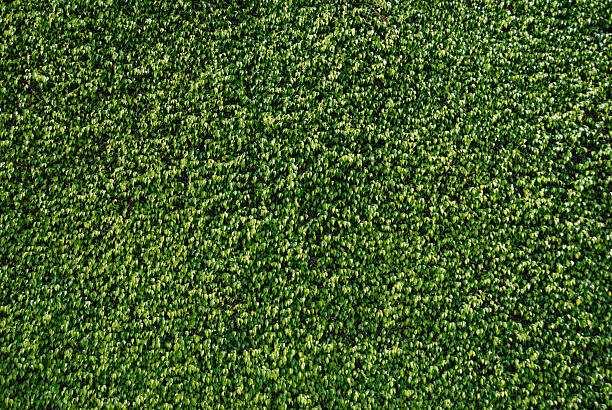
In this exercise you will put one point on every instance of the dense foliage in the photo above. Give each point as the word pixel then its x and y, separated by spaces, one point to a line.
pixel 315 203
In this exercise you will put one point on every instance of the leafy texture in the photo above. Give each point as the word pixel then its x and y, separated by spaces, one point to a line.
pixel 305 203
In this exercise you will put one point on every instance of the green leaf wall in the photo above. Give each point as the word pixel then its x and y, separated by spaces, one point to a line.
pixel 318 204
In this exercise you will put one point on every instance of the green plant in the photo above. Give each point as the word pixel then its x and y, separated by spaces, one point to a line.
pixel 330 204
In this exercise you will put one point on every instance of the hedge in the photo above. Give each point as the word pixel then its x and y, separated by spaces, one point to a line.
pixel 295 203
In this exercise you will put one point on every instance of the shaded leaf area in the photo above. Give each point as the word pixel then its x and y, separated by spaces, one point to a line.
pixel 283 204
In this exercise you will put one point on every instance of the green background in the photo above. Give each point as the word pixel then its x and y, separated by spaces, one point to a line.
pixel 305 203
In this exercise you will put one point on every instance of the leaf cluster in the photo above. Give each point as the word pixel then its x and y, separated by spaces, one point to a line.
pixel 305 203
